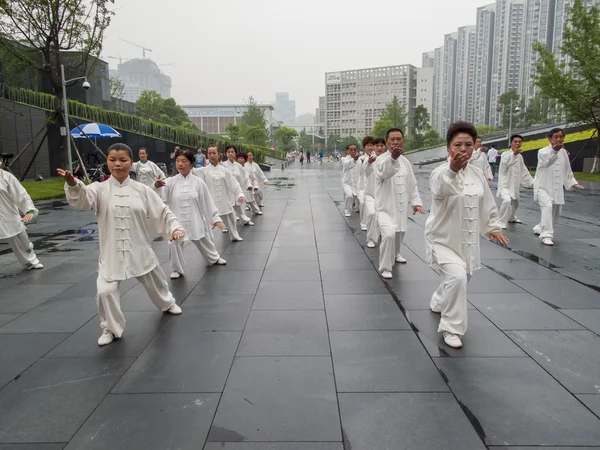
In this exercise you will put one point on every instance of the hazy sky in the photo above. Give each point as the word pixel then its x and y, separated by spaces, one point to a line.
pixel 227 50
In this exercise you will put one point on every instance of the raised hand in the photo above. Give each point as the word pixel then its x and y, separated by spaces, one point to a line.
pixel 418 209
pixel 459 161
pixel 372 159
pixel 159 182
pixel 498 236
pixel 68 176
pixel 396 151
pixel 219 225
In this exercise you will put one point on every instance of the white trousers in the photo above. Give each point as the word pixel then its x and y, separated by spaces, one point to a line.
pixel 361 208
pixel 391 241
pixel 258 197
pixel 508 209
pixel 254 206
pixel 451 298
pixel 229 221
pixel 206 247
pixel 348 198
pixel 109 298
pixel 550 214
pixel 371 219
pixel 239 210
pixel 23 249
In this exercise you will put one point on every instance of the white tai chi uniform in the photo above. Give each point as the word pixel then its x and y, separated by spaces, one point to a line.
pixel 463 208
pixel 127 214
pixel 252 195
pixel 395 190
pixel 553 175
pixel 241 175
pixel 147 173
pixel 223 187
pixel 512 174
pixel 480 159
pixel 14 198
pixel 355 185
pixel 360 189
pixel 190 201
pixel 348 164
pixel 369 207
pixel 261 180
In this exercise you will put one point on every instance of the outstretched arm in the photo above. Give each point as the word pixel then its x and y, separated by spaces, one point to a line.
pixel 79 196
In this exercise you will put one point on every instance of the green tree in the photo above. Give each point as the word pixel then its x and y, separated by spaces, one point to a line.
pixel 234 132
pixel 117 88
pixel 39 32
pixel 575 84
pixel 332 142
pixel 394 111
pixel 536 113
pixel 504 105
pixel 285 137
pixel 305 141
pixel 349 140
pixel 253 124
pixel 431 138
pixel 150 105
pixel 483 130
pixel 421 121
pixel 175 112
pixel 381 127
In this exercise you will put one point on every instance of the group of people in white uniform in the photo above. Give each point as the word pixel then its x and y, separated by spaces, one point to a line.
pixel 463 207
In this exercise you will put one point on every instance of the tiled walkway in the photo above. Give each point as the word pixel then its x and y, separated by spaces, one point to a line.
pixel 296 344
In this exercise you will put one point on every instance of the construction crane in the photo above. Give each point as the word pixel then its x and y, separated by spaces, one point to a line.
pixel 119 58
pixel 144 49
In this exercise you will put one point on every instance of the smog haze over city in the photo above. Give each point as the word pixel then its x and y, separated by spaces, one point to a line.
pixel 222 52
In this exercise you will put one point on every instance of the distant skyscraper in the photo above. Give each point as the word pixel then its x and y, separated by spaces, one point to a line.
pixel 321 112
pixel 140 75
pixel 465 74
pixel 438 90
pixel 449 80
pixel 484 51
pixel 425 88
pixel 285 109
pixel 428 59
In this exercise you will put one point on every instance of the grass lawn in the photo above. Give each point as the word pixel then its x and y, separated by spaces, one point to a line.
pixel 44 190
pixel 580 176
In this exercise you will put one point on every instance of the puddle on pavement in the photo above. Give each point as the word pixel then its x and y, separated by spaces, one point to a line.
pixel 53 242
pixel 281 182
pixel 536 259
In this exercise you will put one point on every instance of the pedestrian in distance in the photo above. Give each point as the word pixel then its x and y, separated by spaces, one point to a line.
pixel 301 158
pixel 492 155
pixel 480 159
pixel 200 158
pixel 128 213
pixel 308 157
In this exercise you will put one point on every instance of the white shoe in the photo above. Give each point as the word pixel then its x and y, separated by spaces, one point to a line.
pixel 238 239
pixel 225 230
pixel 515 220
pixel 537 231
pixel 400 259
pixel 221 262
pixel 547 241
pixel 371 244
pixel 237 219
pixel 347 214
pixel 106 338
pixel 175 275
pixel 363 228
pixel 174 309
pixel 386 274
pixel 249 224
pixel 261 205
pixel 452 340
pixel 258 213
pixel 36 266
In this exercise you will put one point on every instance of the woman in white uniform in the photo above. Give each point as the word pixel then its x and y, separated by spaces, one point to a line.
pixel 462 209
pixel 146 171
pixel 241 175
pixel 479 159
pixel 14 199
pixel 190 201
pixel 242 159
pixel 261 180
pixel 370 211
pixel 127 213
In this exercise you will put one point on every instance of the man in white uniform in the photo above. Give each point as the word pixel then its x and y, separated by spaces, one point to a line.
pixel 14 199
pixel 395 189
pixel 261 180
pixel 480 159
pixel 369 206
pixel 492 155
pixel 362 163
pixel 552 176
pixel 348 165
pixel 222 186
pixel 512 174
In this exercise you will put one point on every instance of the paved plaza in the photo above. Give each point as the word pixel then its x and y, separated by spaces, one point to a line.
pixel 298 344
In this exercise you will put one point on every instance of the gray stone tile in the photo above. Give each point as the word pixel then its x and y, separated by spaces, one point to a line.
pixel 354 312
pixel 137 299
pixel 66 273
pixel 352 282
pixel 5 318
pixel 242 262
pixel 214 312
pixel 521 269
pixel 13 299
pixel 516 402
pixel 248 247
pixel 538 448
pixel 57 315
pixel 141 328
pixel 486 280
pixel 282 295
pixel 338 236
pixel 346 247
pixel 289 254
pixel 273 446
pixel 415 295
pixel 412 271
pixel 589 318
pixel 32 446
pixel 142 421
pixel 382 361
pixel 87 287
pixel 405 421
pixel 229 282
pixel 263 398
pixel 564 293
pixel 303 240
pixel 490 250
pixel 19 351
pixel 256 234
pixel 343 261
pixel 56 396
pixel 572 357
pixel 521 312
pixel 296 271
pixel 285 333
pixel 482 337
pixel 182 361
pixel 592 401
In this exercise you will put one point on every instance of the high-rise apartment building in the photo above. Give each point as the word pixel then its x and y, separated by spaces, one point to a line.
pixel 321 112
pixel 438 89
pixel 425 88
pixel 449 80
pixel 465 74
pixel 508 53
pixel 285 109
pixel 356 98
pixel 428 59
pixel 484 51
pixel 140 75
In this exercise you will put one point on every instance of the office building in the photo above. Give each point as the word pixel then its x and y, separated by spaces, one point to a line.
pixel 465 74
pixel 140 75
pixel 425 88
pixel 438 89
pixel 356 98
pixel 449 80
pixel 321 112
pixel 285 109
pixel 213 119
pixel 484 51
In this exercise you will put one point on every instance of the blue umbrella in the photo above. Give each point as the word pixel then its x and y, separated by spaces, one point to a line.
pixel 94 131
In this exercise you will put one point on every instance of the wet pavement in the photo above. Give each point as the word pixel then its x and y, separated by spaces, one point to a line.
pixel 298 344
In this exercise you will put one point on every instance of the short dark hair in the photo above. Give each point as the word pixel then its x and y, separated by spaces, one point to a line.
pixel 212 145
pixel 189 154
pixel 143 148
pixel 460 127
pixel 515 136
pixel 230 146
pixel 242 155
pixel 367 140
pixel 391 130
pixel 350 145
pixel 553 131
pixel 119 146
pixel 378 141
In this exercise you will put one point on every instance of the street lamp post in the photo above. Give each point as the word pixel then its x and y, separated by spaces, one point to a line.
pixel 64 82
pixel 516 109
